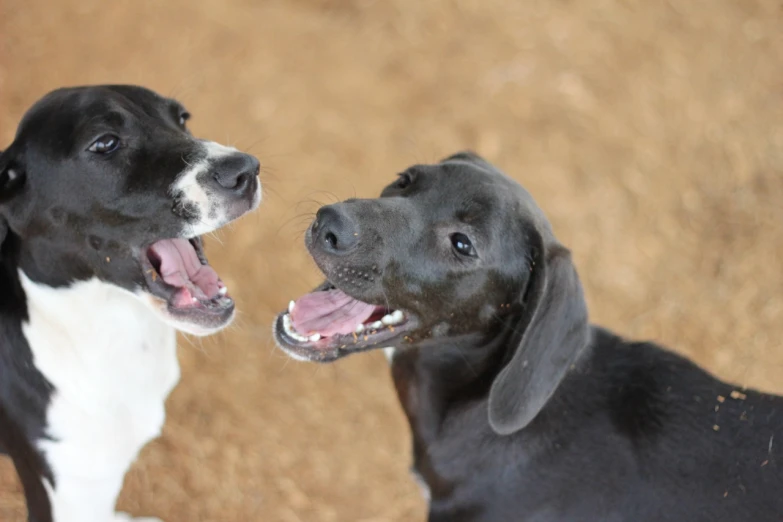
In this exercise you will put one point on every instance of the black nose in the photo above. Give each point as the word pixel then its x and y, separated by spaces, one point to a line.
pixel 334 230
pixel 235 173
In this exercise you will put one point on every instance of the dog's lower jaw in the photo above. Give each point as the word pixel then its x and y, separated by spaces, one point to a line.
pixel 159 307
pixel 112 363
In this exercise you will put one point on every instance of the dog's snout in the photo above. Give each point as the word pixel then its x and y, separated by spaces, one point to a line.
pixel 235 173
pixel 335 230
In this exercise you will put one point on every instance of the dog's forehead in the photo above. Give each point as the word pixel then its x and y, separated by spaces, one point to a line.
pixel 496 192
pixel 72 106
pixel 462 181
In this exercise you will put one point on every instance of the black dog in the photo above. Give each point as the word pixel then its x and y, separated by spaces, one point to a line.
pixel 103 196
pixel 520 410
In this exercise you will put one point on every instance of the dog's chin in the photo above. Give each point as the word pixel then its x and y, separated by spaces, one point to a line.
pixel 193 323
pixel 334 335
pixel 182 288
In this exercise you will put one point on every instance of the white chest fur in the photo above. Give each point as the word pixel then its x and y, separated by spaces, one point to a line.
pixel 112 363
pixel 423 486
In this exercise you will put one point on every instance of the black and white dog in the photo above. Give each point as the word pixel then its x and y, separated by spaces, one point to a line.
pixel 521 411
pixel 103 196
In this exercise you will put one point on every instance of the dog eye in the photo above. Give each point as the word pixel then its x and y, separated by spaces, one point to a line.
pixel 405 180
pixel 462 245
pixel 183 118
pixel 105 144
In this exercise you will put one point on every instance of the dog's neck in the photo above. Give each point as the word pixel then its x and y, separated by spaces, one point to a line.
pixel 444 389
pixel 439 372
pixel 432 375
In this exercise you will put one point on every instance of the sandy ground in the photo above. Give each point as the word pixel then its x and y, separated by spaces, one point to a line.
pixel 650 132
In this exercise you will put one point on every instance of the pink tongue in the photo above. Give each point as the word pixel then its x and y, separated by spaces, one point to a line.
pixel 330 312
pixel 180 267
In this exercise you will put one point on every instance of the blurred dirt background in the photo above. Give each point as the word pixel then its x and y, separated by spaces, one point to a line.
pixel 651 132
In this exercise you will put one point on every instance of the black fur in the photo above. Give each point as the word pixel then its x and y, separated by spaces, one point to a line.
pixel 519 409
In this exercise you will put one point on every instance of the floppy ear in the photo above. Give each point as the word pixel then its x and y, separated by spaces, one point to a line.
pixel 11 177
pixel 554 331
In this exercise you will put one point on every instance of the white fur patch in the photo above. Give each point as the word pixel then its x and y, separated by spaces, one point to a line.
pixel 389 353
pixel 423 487
pixel 112 362
pixel 212 211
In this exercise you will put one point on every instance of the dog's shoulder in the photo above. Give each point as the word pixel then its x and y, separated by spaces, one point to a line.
pixel 660 400
pixel 644 386
pixel 647 373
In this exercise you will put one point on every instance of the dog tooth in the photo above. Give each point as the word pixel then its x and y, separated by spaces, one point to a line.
pixel 359 328
pixel 376 325
pixel 288 325
pixel 223 291
pixel 291 306
pixel 315 337
pixel 398 316
pixel 193 299
pixel 387 319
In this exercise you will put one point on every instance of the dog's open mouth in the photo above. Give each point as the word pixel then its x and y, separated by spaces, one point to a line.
pixel 328 323
pixel 178 271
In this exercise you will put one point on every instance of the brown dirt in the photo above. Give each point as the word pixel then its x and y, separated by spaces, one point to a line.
pixel 651 133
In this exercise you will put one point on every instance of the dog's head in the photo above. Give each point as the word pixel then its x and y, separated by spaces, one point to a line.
pixel 449 252
pixel 107 182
